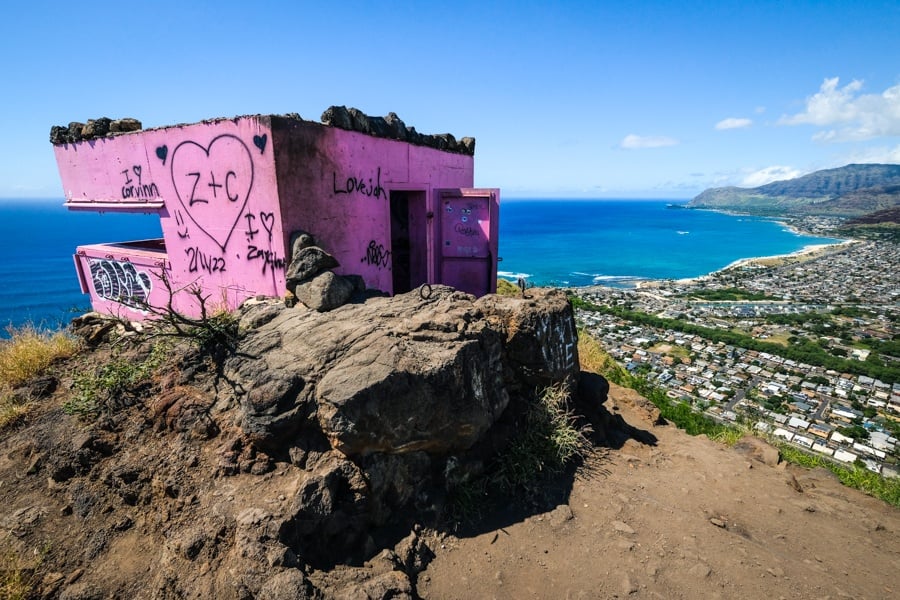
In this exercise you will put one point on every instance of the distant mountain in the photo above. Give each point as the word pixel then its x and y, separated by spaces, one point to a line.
pixel 850 191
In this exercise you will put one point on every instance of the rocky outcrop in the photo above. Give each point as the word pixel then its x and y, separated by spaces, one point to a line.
pixel 372 399
pixel 392 127
pixel 402 374
pixel 353 119
pixel 310 279
pixel 94 128
pixel 300 466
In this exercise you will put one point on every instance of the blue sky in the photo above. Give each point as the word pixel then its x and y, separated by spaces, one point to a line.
pixel 565 99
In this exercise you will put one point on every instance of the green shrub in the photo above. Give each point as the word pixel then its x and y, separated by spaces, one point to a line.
pixel 113 384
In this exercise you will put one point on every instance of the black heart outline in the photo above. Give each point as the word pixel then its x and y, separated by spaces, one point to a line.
pixel 206 150
pixel 270 217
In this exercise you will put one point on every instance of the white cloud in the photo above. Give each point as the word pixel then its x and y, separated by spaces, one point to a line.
pixel 856 116
pixel 881 154
pixel 634 142
pixel 770 174
pixel 733 123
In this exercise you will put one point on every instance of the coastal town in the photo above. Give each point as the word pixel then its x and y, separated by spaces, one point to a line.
pixel 801 347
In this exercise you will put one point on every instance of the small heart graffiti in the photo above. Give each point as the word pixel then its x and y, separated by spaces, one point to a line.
pixel 260 142
pixel 268 221
pixel 162 152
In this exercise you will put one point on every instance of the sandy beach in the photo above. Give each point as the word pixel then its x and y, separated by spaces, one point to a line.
pixel 805 254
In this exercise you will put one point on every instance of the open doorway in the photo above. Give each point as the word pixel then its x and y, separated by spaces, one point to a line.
pixel 409 238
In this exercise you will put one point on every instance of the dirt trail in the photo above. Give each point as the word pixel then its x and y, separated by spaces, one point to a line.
pixel 686 518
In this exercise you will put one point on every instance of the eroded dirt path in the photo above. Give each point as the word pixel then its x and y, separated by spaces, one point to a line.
pixel 686 518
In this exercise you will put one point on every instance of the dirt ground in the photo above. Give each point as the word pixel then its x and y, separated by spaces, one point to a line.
pixel 136 510
pixel 684 518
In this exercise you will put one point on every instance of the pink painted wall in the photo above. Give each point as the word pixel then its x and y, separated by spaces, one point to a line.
pixel 230 193
pixel 336 184
pixel 216 181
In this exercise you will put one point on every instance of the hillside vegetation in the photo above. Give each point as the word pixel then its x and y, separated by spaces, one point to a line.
pixel 848 191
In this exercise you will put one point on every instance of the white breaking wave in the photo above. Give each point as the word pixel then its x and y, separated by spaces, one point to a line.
pixel 511 275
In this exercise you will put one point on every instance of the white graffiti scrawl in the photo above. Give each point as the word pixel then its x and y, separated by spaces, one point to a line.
pixel 120 282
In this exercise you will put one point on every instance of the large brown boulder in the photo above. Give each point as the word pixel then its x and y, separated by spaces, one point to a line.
pixel 372 398
pixel 403 374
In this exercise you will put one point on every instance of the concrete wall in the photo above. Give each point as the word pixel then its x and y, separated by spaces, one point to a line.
pixel 230 193
pixel 215 182
pixel 336 184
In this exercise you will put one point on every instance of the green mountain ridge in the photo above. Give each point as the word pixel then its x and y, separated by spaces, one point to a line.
pixel 849 191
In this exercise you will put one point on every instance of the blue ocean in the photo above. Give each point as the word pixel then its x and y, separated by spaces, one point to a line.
pixel 619 242
pixel 551 242
pixel 39 237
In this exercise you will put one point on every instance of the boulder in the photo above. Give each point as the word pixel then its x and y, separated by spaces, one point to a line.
pixel 326 291
pixel 374 399
pixel 402 374
pixel 308 262
pixel 329 514
pixel 541 335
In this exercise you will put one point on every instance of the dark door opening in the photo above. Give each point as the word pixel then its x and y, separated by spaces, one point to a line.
pixel 409 254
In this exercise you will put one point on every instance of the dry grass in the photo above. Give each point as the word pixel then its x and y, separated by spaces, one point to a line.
pixel 593 357
pixel 17 575
pixel 25 355
pixel 29 351
pixel 11 411
pixel 507 288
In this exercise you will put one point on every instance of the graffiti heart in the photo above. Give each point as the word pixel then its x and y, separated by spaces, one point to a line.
pixel 260 142
pixel 213 184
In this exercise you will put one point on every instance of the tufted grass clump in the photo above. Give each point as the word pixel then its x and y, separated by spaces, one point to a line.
pixel 592 357
pixel 549 439
pixel 18 576
pixel 507 288
pixel 29 351
pixel 25 355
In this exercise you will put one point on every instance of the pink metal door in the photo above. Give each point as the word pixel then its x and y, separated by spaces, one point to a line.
pixel 468 227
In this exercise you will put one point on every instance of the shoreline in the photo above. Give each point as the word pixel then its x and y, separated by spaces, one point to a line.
pixel 805 254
